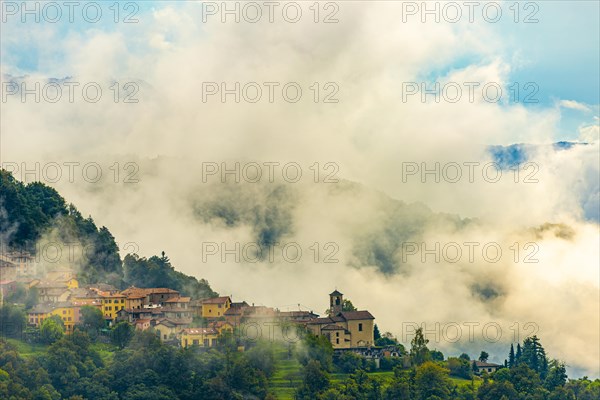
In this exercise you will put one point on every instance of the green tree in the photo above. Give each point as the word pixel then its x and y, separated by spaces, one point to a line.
pixel 459 367
pixel 316 348
pixel 51 330
pixel 511 356
pixel 92 320
pixel 419 353
pixel 348 306
pixel 121 334
pixel 315 381
pixel 483 357
pixel 13 321
pixel 431 381
pixel 557 375
pixel 436 355
pixel 376 333
pixel 497 390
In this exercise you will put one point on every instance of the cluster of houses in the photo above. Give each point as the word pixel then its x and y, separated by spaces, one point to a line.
pixel 175 318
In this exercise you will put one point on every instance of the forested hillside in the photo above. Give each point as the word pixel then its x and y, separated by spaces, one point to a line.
pixel 29 212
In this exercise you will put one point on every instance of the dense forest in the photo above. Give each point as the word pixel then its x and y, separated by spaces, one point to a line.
pixel 138 366
pixel 30 211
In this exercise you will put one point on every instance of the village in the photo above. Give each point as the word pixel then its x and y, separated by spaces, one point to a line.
pixel 177 319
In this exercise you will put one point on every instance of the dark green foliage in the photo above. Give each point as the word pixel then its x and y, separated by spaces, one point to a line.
pixel 315 381
pixel 389 363
pixel 376 333
pixel 121 334
pixel 51 330
pixel 431 381
pixel 459 367
pixel 29 210
pixel 158 272
pixel 92 321
pixel 317 348
pixel 497 390
pixel 511 357
pixel 534 356
pixel 13 321
pixel 419 353
pixel 349 363
pixel 436 355
pixel 483 357
pixel 34 209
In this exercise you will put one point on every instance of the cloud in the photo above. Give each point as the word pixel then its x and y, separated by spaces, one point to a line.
pixel 367 139
pixel 574 105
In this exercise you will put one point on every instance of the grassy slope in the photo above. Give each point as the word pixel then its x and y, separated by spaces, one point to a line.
pixel 286 368
pixel 283 389
pixel 27 350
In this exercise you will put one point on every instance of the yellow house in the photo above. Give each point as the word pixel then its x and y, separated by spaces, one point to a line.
pixel 111 304
pixel 215 307
pixel 66 312
pixel 38 314
pixel 72 283
pixel 203 337
pixel 167 329
pixel 222 326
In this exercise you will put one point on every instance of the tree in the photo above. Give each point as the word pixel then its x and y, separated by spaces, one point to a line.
pixel 497 390
pixel 431 380
pixel 376 333
pixel 92 320
pixel 51 330
pixel 316 348
pixel 534 356
pixel 13 321
pixel 511 356
pixel 436 355
pixel 518 354
pixel 483 357
pixel 348 306
pixel 315 381
pixel 387 339
pixel 557 375
pixel 121 334
pixel 465 356
pixel 419 353
pixel 459 367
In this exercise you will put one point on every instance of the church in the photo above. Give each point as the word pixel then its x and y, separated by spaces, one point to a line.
pixel 344 329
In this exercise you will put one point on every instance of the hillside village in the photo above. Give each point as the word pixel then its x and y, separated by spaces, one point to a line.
pixel 174 318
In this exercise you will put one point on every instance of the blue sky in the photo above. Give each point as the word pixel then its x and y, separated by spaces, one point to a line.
pixel 560 53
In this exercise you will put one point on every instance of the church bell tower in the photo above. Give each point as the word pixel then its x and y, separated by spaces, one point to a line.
pixel 336 299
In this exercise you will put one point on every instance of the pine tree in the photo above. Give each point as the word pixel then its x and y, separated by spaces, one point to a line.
pixel 511 356
pixel 518 355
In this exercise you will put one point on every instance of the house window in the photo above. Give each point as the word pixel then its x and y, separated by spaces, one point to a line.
pixel 205 342
pixel 165 337
pixel 360 327
pixel 337 341
pixel 337 334
pixel 196 342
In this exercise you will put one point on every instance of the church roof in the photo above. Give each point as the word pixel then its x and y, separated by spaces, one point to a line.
pixel 336 293
pixel 342 317
pixel 353 315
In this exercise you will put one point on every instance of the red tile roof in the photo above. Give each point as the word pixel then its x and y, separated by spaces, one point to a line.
pixel 217 300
